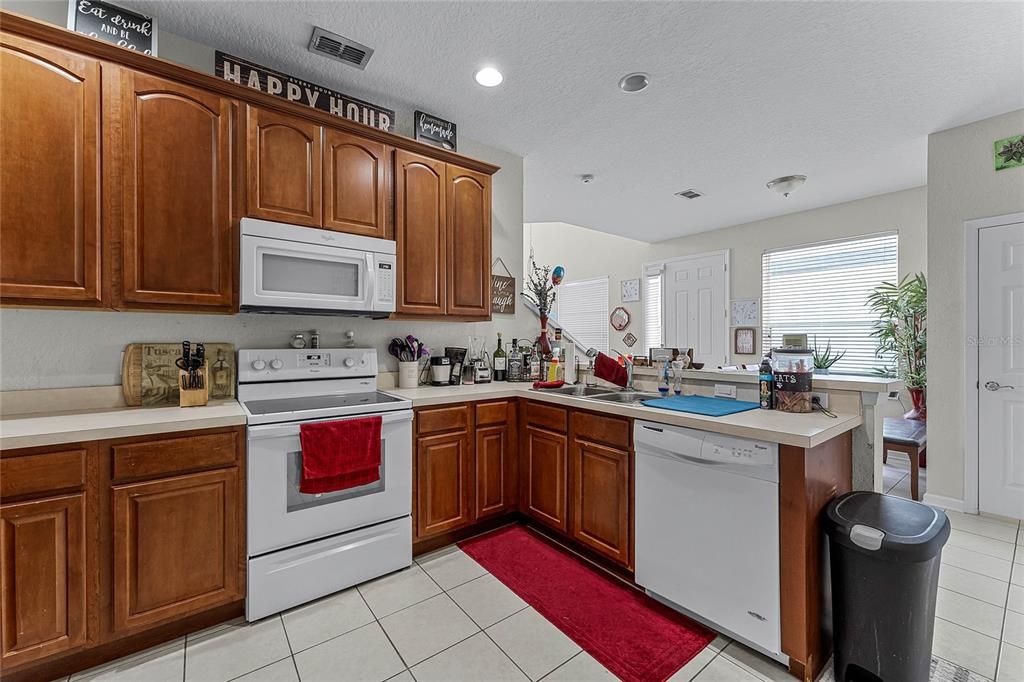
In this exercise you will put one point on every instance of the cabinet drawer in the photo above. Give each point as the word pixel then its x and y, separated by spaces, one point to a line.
pixel 600 428
pixel 440 419
pixel 153 458
pixel 492 413
pixel 44 472
pixel 547 416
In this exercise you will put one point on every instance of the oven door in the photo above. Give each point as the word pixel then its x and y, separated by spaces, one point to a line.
pixel 281 516
pixel 281 274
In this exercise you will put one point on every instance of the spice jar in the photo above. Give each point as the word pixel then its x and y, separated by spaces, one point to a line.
pixel 794 369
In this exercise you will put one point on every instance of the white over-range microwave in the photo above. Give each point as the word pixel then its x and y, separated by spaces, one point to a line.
pixel 292 269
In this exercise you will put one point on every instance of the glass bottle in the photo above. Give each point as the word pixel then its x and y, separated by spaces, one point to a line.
pixel 514 371
pixel 663 380
pixel 500 361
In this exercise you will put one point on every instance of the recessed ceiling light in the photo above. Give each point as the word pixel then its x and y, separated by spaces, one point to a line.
pixel 787 184
pixel 489 77
pixel 634 82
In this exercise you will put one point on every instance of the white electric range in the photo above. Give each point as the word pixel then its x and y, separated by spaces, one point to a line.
pixel 301 546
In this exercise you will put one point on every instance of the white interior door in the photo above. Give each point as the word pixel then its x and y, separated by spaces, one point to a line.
pixel 1001 370
pixel 695 295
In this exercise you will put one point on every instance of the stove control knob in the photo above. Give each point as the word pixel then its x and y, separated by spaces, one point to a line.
pixel 259 365
pixel 276 364
pixel 349 362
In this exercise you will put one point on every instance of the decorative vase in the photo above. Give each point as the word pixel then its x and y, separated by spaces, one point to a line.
pixel 542 341
pixel 920 410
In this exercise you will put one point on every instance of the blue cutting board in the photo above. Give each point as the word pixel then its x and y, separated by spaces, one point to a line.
pixel 701 404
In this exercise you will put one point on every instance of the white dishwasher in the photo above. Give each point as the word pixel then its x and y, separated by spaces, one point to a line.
pixel 707 529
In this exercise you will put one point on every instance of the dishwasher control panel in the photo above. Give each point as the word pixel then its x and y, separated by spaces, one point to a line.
pixel 719 448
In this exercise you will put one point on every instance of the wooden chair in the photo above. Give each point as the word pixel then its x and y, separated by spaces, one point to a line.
pixel 909 436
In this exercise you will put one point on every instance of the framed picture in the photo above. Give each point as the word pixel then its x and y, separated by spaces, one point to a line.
pixel 743 340
pixel 619 319
pixel 630 290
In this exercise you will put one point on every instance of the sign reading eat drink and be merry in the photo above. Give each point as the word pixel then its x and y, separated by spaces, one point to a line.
pixel 113 24
pixel 244 72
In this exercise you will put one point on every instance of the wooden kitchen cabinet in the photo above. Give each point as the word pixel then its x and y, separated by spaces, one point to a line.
pixel 176 547
pixel 600 499
pixel 175 175
pixel 421 234
pixel 44 577
pixel 50 226
pixel 283 162
pixel 356 185
pixel 444 483
pixel 468 242
pixel 544 469
pixel 496 459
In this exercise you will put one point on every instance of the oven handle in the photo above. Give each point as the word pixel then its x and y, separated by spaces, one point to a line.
pixel 292 429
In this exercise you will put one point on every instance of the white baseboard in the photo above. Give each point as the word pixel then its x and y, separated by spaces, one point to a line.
pixel 943 502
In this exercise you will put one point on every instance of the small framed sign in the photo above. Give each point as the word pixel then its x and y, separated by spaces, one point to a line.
pixel 743 340
pixel 1009 152
pixel 630 290
pixel 434 130
pixel 503 295
pixel 113 24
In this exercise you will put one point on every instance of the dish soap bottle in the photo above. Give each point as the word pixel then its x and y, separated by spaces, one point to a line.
pixel 663 382
pixel 766 384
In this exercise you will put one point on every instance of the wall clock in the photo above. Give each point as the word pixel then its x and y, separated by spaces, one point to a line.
pixel 619 319
pixel 630 290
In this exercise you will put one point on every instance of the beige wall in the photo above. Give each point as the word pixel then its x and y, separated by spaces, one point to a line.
pixel 962 186
pixel 587 253
pixel 62 348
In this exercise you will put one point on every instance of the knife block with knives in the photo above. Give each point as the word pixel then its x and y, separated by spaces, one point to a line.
pixel 193 387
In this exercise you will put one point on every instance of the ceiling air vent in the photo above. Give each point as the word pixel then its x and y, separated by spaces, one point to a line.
pixel 338 47
pixel 689 194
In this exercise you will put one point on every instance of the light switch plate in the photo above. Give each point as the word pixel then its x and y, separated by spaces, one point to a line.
pixel 725 391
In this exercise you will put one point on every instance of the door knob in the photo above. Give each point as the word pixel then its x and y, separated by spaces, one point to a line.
pixel 996 386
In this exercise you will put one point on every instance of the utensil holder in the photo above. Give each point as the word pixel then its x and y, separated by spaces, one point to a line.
pixel 408 374
pixel 194 397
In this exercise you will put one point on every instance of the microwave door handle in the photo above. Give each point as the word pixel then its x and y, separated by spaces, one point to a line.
pixel 371 281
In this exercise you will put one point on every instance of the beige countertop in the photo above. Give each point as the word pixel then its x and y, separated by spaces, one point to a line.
pixel 801 430
pixel 834 382
pixel 70 426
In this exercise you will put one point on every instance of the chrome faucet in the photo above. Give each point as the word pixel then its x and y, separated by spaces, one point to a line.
pixel 629 369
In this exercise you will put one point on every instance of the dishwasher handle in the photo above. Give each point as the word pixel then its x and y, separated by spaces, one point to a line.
pixel 671 440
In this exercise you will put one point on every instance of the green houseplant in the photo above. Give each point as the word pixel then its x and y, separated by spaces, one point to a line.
pixel 902 334
pixel 825 358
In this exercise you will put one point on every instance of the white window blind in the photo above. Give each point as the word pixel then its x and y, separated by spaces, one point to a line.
pixel 821 290
pixel 581 309
pixel 652 310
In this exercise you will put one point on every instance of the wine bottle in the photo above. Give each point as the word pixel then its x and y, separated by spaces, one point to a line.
pixel 500 361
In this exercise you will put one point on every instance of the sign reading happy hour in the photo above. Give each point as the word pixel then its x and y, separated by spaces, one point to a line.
pixel 113 24
pixel 244 72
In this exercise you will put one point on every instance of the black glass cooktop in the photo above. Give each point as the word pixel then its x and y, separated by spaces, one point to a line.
pixel 319 402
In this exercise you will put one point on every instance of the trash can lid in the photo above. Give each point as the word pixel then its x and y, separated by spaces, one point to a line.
pixel 889 527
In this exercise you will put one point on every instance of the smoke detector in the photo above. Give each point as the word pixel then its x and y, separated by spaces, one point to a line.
pixel 689 194
pixel 586 179
pixel 787 184
pixel 339 48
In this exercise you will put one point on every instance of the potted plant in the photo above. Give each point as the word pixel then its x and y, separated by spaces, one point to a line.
pixel 540 290
pixel 824 359
pixel 902 334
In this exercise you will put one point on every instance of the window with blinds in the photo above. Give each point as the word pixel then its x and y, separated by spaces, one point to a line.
pixel 822 290
pixel 652 311
pixel 581 309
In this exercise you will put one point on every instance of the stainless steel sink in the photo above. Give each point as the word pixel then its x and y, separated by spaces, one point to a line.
pixel 580 391
pixel 626 397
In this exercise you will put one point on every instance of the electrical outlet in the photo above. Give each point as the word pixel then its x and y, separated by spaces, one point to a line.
pixel 820 398
pixel 894 395
pixel 725 391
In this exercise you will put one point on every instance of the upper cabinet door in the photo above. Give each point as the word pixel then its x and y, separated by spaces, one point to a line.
pixel 469 243
pixel 177 237
pixel 284 167
pixel 420 199
pixel 357 173
pixel 50 228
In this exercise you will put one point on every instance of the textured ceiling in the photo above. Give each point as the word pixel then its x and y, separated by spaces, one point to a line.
pixel 741 92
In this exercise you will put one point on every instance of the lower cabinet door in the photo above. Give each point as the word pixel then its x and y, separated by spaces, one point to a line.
pixel 177 547
pixel 444 483
pixel 495 471
pixel 43 573
pixel 544 469
pixel 600 499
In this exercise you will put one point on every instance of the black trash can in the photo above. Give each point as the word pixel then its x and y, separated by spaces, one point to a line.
pixel 884 554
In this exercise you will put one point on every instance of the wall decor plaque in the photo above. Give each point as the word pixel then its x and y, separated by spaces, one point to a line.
pixel 113 24
pixel 629 290
pixel 1009 152
pixel 149 376
pixel 629 339
pixel 244 72
pixel 743 340
pixel 619 319
pixel 503 290
pixel 434 130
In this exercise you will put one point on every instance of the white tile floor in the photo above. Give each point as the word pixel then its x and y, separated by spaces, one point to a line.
pixel 446 618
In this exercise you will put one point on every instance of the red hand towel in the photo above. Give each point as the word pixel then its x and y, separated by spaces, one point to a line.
pixel 609 370
pixel 339 455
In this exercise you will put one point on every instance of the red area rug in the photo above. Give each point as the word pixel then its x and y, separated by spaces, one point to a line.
pixel 632 635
